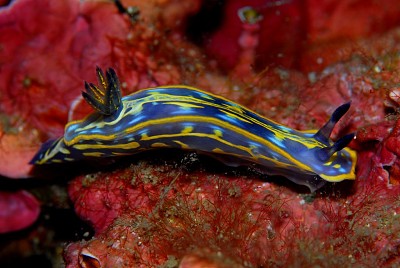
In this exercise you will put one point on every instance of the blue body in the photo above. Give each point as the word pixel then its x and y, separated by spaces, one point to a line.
pixel 191 119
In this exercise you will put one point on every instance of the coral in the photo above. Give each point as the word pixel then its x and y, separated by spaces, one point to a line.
pixel 164 211
pixel 147 214
pixel 304 35
pixel 18 210
pixel 384 161
pixel 16 148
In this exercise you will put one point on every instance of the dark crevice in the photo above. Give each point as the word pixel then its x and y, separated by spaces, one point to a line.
pixel 201 25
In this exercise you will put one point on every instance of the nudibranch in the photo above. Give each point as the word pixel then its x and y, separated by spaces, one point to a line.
pixel 191 119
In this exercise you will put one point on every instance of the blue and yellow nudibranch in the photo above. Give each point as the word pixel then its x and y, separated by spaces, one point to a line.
pixel 191 119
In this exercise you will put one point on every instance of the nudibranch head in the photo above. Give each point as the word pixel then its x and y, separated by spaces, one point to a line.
pixel 337 160
pixel 191 119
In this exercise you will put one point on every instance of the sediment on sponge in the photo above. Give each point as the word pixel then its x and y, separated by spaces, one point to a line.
pixel 163 213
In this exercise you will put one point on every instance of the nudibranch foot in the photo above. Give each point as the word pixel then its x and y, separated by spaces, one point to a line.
pixel 183 117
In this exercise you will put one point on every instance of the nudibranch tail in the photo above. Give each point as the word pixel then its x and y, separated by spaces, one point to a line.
pixel 53 149
pixel 325 132
pixel 106 99
pixel 39 155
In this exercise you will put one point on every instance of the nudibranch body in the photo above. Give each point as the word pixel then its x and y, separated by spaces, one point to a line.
pixel 191 119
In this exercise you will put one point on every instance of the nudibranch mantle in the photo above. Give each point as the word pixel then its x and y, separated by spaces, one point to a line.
pixel 191 119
